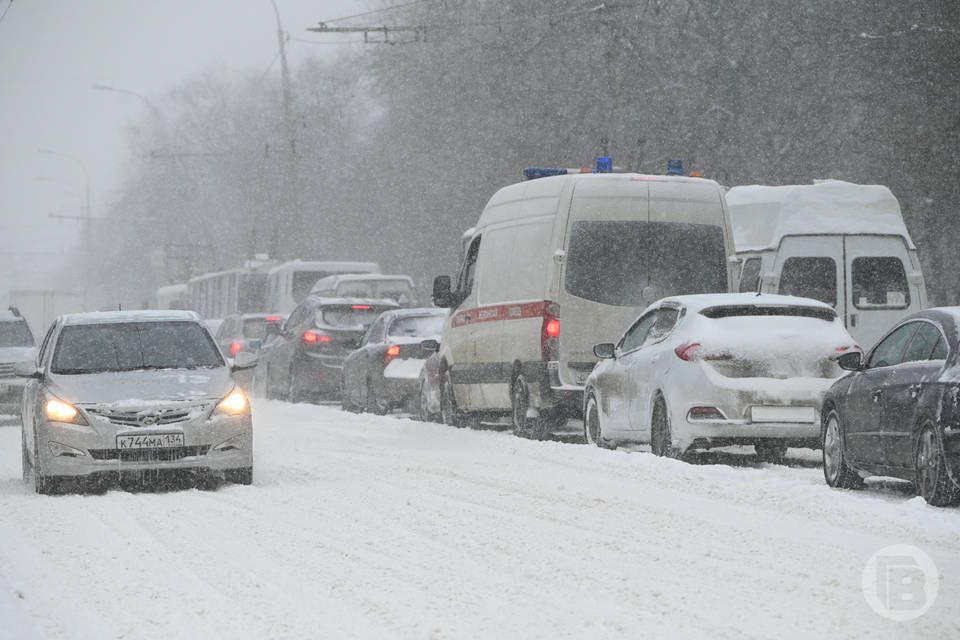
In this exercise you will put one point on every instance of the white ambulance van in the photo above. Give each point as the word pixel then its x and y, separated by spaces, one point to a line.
pixel 843 243
pixel 558 264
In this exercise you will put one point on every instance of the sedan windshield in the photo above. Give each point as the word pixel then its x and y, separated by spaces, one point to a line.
pixel 129 346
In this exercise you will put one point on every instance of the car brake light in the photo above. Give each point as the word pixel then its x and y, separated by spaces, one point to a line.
pixel 392 352
pixel 688 351
pixel 550 332
pixel 235 348
pixel 272 319
pixel 360 306
pixel 312 337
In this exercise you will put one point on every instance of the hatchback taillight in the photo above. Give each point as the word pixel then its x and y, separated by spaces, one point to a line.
pixel 392 352
pixel 688 351
pixel 235 348
pixel 313 337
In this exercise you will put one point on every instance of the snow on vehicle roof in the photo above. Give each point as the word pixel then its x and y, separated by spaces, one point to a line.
pixel 171 289
pixel 380 302
pixel 541 196
pixel 145 315
pixel 697 302
pixel 329 265
pixel 763 215
pixel 416 311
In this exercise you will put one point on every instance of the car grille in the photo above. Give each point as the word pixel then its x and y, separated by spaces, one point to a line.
pixel 149 455
pixel 145 417
pixel 6 369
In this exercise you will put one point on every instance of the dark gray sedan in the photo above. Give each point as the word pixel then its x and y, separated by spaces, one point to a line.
pixel 383 373
pixel 898 412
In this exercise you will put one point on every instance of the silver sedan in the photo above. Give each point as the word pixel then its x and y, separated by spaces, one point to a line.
pixel 113 394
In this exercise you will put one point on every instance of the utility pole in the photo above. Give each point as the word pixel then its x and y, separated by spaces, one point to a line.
pixel 292 242
pixel 88 223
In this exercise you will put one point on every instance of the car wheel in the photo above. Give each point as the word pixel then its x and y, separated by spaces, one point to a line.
pixel 592 431
pixel 835 469
pixel 294 393
pixel 770 452
pixel 661 438
pixel 374 404
pixel 448 403
pixel 933 481
pixel 244 475
pixel 42 484
pixel 25 464
pixel 523 425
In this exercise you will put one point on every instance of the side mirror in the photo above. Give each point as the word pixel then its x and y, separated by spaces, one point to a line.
pixel 604 350
pixel 442 296
pixel 27 369
pixel 244 360
pixel 850 361
pixel 430 345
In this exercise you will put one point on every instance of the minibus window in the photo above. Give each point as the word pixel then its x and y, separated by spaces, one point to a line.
pixel 750 275
pixel 611 262
pixel 810 278
pixel 879 283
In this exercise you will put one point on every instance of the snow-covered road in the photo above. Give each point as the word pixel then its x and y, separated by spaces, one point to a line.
pixel 381 527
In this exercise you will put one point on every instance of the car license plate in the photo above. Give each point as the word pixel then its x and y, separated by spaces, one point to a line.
pixel 150 441
pixel 783 414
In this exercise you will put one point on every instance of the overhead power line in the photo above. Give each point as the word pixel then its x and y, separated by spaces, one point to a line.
pixel 4 14
pixel 420 31
pixel 384 10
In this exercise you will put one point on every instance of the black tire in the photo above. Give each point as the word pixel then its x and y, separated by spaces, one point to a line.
pixel 933 481
pixel 423 411
pixel 836 471
pixel 770 452
pixel 661 437
pixel 42 484
pixel 243 475
pixel 26 468
pixel 523 425
pixel 592 430
pixel 449 412
pixel 373 404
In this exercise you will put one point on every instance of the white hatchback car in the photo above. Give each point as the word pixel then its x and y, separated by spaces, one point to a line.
pixel 703 371
pixel 129 392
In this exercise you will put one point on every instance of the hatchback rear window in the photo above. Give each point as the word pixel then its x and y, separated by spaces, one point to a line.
pixel 348 316
pixel 612 262
pixel 417 326
pixel 795 311
pixel 15 334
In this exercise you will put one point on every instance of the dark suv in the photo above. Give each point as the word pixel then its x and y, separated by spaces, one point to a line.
pixel 303 360
pixel 16 345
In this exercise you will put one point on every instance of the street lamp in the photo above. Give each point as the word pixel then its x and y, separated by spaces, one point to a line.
pixel 104 87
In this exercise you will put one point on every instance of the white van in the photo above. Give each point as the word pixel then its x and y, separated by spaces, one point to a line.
pixel 842 243
pixel 289 283
pixel 558 264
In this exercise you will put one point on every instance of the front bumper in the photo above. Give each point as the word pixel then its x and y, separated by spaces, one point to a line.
pixel 219 443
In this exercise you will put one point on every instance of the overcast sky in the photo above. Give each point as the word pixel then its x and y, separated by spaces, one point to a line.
pixel 53 51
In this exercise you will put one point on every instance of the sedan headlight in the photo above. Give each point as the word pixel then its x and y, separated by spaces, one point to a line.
pixel 233 404
pixel 60 411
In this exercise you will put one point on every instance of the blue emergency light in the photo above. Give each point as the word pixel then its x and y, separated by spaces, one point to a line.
pixel 674 167
pixel 604 165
